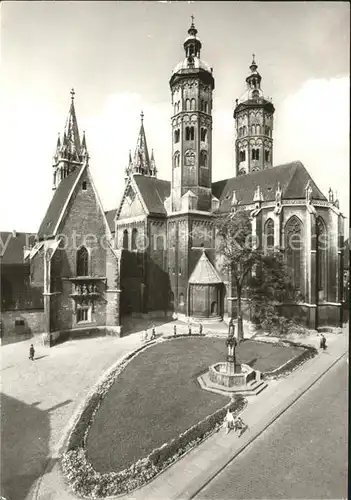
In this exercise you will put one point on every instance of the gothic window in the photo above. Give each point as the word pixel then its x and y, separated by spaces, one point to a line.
pixel 244 130
pixel 258 130
pixel 84 186
pixel 203 134
pixel 125 239
pixel 266 155
pixel 189 133
pixel 242 155
pixel 322 248
pixel 269 234
pixel 82 262
pixel 176 159
pixel 253 129
pixel 255 154
pixel 176 135
pixel 193 102
pixel 134 239
pixel 293 249
pixel 206 107
pixel 203 159
pixel 187 104
pixel 82 314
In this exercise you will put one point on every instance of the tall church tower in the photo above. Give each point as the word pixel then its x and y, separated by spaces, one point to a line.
pixel 191 84
pixel 253 116
pixel 70 152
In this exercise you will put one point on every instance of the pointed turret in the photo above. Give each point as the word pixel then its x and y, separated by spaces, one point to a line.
pixel 141 163
pixel 70 152
pixel 153 164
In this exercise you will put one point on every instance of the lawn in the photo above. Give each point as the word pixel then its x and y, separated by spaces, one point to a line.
pixel 157 397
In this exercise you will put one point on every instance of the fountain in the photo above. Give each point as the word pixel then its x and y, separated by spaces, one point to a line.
pixel 230 377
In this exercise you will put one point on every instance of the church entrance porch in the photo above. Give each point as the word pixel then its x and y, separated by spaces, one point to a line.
pixel 206 301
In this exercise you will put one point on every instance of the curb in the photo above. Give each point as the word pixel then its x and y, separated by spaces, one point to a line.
pixel 196 489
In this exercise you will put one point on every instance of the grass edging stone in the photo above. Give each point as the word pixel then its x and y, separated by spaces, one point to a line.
pixel 86 482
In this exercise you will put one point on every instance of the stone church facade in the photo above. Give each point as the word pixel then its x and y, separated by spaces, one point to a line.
pixel 156 253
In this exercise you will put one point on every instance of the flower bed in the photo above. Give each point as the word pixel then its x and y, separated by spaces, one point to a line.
pixel 308 353
pixel 85 481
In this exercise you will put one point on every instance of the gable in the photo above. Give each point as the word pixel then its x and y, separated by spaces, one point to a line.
pixel 83 213
pixel 131 203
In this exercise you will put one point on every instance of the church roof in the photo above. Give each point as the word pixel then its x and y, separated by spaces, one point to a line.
pixel 204 272
pixel 154 192
pixel 57 204
pixel 12 244
pixel 292 178
pixel 110 217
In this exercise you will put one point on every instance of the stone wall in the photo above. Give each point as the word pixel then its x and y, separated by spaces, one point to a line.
pixel 28 324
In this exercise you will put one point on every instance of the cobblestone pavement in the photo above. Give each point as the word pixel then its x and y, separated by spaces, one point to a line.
pixel 39 399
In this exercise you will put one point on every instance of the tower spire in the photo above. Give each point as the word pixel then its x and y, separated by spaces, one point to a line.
pixel 70 151
pixel 141 163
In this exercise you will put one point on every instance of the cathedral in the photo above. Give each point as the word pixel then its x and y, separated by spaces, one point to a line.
pixel 156 253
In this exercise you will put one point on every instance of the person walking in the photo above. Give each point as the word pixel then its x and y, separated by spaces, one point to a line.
pixel 31 352
pixel 200 329
pixel 228 421
pixel 145 335
pixel 174 330
pixel 323 342
pixel 189 328
pixel 153 332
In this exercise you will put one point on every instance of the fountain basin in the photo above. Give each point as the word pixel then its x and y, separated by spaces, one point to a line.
pixel 221 375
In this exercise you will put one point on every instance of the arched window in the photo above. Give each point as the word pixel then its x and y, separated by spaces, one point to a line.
pixel 293 248
pixel 203 134
pixel 269 234
pixel 266 155
pixel 253 129
pixel 322 251
pixel 244 130
pixel 203 159
pixel 134 238
pixel 125 239
pixel 176 135
pixel 258 130
pixel 82 262
pixel 242 155
pixel 189 133
pixel 193 103
pixel 176 159
pixel 206 107
pixel 187 104
pixel 255 154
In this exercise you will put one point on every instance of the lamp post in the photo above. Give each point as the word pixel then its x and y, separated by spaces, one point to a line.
pixel 231 344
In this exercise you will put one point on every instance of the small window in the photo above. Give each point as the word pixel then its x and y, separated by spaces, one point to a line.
pixel 189 133
pixel 19 322
pixel 193 104
pixel 266 155
pixel 84 186
pixel 203 134
pixel 176 135
pixel 82 314
pixel 206 107
pixel 255 154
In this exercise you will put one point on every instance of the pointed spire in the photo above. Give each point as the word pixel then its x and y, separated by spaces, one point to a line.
pixel 153 164
pixel 72 132
pixel 192 30
pixel 192 45
pixel 254 79
pixel 58 144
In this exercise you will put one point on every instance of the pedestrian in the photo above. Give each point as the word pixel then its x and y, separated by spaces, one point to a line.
pixel 153 332
pixel 200 329
pixel 174 330
pixel 323 342
pixel 145 335
pixel 228 421
pixel 31 352
pixel 189 328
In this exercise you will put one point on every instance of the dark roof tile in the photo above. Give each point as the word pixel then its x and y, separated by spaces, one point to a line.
pixel 292 177
pixel 57 203
pixel 154 192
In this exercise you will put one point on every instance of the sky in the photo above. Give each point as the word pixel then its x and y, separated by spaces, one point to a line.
pixel 119 56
